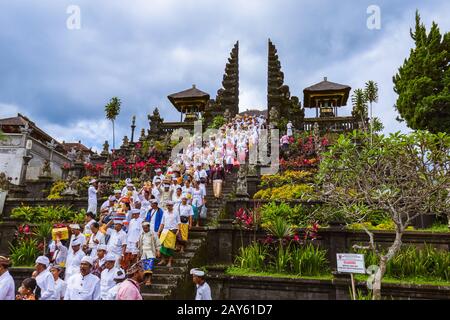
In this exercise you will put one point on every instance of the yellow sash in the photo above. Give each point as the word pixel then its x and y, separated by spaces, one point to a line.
pixel 168 239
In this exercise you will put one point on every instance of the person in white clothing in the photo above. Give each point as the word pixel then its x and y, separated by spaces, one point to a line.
pixel 159 176
pixel 107 276
pixel 134 231
pixel 83 285
pixel 117 242
pixel 89 219
pixel 124 191
pixel 7 286
pixel 45 279
pixel 74 259
pixel 119 277
pixel 92 196
pixel 203 289
pixel 168 231
pixel 97 238
pixel 76 234
pixel 289 127
pixel 60 285
pixel 59 251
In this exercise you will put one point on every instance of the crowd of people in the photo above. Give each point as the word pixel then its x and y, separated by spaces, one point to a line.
pixel 137 228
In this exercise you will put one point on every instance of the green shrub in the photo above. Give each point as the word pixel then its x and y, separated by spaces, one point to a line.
pixel 412 262
pixel 50 214
pixel 24 254
pixel 281 260
pixel 309 260
pixel 252 257
pixel 297 216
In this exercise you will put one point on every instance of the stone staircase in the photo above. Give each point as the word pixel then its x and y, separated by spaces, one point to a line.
pixel 175 282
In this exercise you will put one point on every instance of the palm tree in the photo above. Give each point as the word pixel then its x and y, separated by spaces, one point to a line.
pixel 371 93
pixel 359 105
pixel 112 110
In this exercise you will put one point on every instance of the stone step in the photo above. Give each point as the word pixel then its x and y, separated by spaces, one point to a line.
pixel 155 296
pixel 159 288
pixel 166 278
pixel 174 269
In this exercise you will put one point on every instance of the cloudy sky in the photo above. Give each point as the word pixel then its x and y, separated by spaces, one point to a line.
pixel 143 50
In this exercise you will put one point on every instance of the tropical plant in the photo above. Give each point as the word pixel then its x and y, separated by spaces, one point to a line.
pixel 309 260
pixel 43 232
pixel 24 253
pixel 411 262
pixel 112 110
pixel 280 228
pixel 359 106
pixel 280 261
pixel 423 81
pixel 371 93
pixel 48 214
pixel 252 257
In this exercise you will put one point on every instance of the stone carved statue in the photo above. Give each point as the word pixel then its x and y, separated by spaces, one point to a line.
pixel 72 154
pixel 46 169
pixel 4 182
pixel 80 156
pixel 107 169
pixel 252 171
pixel 241 184
pixel 71 189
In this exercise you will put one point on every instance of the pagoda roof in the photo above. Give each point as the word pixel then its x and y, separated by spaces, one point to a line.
pixel 189 93
pixel 192 96
pixel 326 90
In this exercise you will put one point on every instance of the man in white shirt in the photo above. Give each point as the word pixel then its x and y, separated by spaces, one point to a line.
pixel 44 279
pixel 168 230
pixel 124 191
pixel 107 276
pixel 159 176
pixel 7 286
pixel 83 285
pixel 60 285
pixel 117 242
pixel 119 277
pixel 97 238
pixel 74 259
pixel 92 196
pixel 134 232
pixel 76 234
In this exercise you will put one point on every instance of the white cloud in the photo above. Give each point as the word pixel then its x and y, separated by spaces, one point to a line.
pixel 8 110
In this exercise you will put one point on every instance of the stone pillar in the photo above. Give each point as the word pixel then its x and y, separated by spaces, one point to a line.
pixel 337 242
pixel 23 172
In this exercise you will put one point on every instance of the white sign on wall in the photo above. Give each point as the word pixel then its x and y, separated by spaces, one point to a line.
pixel 350 263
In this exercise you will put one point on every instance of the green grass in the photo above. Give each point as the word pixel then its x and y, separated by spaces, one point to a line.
pixel 236 271
pixel 437 227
